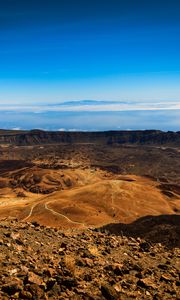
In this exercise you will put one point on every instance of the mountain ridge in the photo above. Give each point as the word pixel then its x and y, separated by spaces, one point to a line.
pixel 141 137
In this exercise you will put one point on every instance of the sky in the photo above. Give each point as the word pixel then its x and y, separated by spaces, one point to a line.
pixel 57 51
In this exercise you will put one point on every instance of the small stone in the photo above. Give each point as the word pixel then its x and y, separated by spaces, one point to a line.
pixel 166 277
pixel 12 287
pixel 49 272
pixel 148 293
pixel 61 251
pixel 69 282
pixel 108 292
pixel 118 269
pixel 163 267
pixel 50 283
pixel 25 295
pixel 63 245
pixel 15 236
pixel 89 262
pixel 33 278
pixel 12 272
pixel 145 247
pixel 146 283
pixel 117 287
pixel 36 224
pixel 178 283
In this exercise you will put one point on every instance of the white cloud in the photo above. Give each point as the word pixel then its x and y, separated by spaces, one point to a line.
pixel 16 128
pixel 74 129
pixel 61 129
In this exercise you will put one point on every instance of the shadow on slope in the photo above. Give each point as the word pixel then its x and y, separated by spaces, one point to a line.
pixel 13 165
pixel 163 229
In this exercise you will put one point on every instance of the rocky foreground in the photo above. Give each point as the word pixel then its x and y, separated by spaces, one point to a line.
pixel 38 262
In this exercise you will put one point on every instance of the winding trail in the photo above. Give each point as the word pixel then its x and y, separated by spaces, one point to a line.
pixel 31 211
pixel 114 190
pixel 61 215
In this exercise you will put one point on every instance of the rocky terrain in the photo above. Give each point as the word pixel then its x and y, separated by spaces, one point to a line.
pixel 38 262
pixel 89 215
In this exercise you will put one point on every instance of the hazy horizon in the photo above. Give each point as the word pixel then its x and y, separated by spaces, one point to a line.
pixel 166 120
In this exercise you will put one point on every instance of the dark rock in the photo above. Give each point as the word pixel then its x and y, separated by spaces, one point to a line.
pixel 166 277
pixel 36 224
pixel 146 283
pixel 50 283
pixel 109 292
pixel 145 247
pixel 25 295
pixel 69 282
pixel 12 287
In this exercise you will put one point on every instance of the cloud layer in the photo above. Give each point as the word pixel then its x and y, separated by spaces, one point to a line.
pixel 94 106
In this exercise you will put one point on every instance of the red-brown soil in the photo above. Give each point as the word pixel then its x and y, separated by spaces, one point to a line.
pixel 82 198
pixel 82 185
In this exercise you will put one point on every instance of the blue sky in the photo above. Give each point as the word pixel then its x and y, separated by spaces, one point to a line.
pixel 66 50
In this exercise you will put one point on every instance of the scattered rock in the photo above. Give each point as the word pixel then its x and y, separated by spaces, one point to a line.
pixel 83 264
